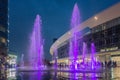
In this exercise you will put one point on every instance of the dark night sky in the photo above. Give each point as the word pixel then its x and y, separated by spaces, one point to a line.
pixel 55 15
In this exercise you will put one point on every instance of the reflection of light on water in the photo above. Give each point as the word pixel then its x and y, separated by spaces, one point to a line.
pixel 12 69
pixel 75 66
pixel 79 76
pixel 11 73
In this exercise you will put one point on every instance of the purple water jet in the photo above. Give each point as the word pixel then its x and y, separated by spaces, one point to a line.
pixel 75 21
pixel 36 45
pixel 55 58
pixel 84 53
pixel 93 51
pixel 22 60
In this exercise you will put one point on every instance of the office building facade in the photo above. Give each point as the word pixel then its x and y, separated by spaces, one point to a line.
pixel 3 27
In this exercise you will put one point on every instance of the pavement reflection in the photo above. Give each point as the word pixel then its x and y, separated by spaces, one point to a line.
pixel 12 74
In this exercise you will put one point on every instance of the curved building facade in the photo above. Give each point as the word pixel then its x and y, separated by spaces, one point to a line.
pixel 103 29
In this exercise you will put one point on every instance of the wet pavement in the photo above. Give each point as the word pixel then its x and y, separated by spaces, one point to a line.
pixel 108 74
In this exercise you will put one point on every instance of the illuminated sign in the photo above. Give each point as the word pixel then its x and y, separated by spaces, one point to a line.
pixel 109 49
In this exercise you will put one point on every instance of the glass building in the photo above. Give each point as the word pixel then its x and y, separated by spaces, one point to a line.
pixel 3 26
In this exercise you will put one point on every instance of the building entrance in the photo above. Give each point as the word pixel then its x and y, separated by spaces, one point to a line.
pixel 116 58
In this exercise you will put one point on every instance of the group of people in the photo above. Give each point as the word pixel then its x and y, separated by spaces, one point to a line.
pixel 110 64
pixel 107 64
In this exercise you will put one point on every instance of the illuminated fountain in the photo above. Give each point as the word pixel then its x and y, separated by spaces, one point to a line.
pixel 22 60
pixel 73 50
pixel 84 54
pixel 94 63
pixel 86 63
pixel 36 45
pixel 55 58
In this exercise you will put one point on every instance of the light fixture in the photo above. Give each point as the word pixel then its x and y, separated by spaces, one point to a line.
pixel 96 18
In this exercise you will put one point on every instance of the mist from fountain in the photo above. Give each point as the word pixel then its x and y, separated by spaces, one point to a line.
pixel 36 49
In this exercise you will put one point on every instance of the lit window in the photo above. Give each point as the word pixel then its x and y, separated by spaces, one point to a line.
pixel 2 40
